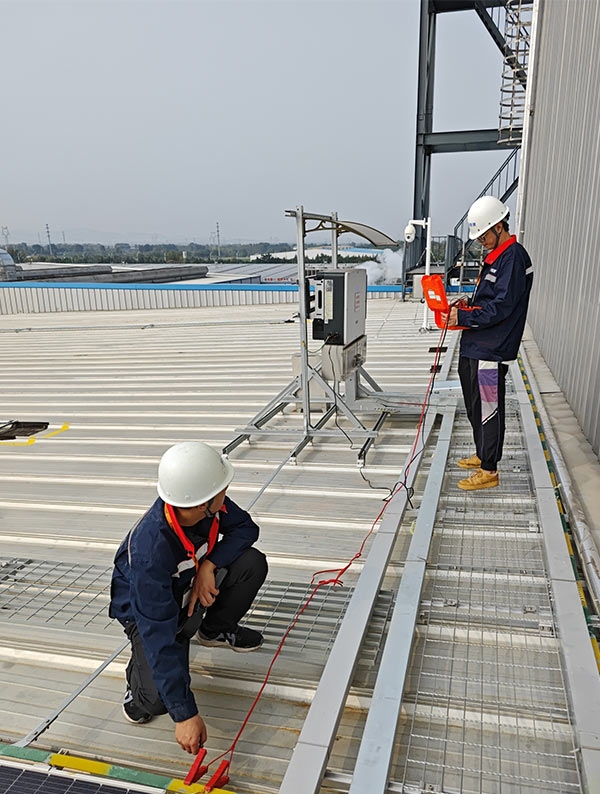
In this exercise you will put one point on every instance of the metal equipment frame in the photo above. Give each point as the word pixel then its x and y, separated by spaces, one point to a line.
pixel 356 396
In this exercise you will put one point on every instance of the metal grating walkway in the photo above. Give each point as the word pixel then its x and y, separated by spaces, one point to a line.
pixel 41 592
pixel 485 707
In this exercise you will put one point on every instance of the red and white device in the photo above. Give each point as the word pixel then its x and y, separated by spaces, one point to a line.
pixel 437 300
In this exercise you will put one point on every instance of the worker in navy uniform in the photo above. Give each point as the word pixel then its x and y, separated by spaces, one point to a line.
pixel 188 567
pixel 494 326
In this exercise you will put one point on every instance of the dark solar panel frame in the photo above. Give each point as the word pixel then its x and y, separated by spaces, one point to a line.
pixel 14 780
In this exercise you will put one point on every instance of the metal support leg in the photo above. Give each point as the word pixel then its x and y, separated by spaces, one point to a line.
pixel 370 441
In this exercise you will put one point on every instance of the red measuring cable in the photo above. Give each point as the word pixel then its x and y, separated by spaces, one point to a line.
pixel 220 777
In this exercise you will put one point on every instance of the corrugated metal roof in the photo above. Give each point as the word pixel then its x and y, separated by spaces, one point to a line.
pixel 486 681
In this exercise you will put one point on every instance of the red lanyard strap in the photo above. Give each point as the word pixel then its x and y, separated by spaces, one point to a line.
pixel 187 544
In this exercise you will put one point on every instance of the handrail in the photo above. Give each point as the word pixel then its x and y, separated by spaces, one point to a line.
pixel 512 159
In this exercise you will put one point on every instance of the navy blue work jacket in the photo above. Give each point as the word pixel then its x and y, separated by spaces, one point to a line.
pixel 494 331
pixel 152 572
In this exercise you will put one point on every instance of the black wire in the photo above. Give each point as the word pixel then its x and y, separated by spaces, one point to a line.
pixel 410 491
pixel 318 350
pixel 335 402
pixel 375 487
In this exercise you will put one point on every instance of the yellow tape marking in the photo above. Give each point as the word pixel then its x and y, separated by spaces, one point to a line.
pixel 56 432
pixel 195 788
pixel 64 761
pixel 581 594
pixel 596 648
pixel 82 764
pixel 179 785
pixel 569 546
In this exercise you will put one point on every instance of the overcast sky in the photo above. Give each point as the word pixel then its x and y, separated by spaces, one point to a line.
pixel 152 120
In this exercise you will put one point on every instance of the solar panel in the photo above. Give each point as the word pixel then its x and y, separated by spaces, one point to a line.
pixel 14 780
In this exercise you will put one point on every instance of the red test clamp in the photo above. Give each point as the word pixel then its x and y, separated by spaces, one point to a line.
pixel 220 778
pixel 196 769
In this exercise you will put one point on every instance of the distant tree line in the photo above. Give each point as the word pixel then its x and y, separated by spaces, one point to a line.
pixel 94 253
pixel 170 253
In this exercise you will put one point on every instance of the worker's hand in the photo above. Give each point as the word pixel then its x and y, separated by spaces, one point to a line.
pixel 451 318
pixel 204 589
pixel 191 734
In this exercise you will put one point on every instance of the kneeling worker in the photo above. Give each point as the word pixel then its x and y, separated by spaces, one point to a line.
pixel 173 576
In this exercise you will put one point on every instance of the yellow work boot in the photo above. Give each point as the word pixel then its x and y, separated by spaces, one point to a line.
pixel 469 463
pixel 478 480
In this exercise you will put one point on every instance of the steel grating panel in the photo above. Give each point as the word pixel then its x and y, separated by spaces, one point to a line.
pixel 59 593
pixel 455 753
pixel 485 600
pixel 488 549
pixel 513 678
pixel 278 602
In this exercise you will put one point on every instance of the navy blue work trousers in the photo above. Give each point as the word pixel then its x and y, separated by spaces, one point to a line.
pixel 236 594
pixel 483 388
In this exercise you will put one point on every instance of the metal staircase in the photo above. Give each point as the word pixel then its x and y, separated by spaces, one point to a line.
pixel 517 34
pixel 502 185
pixel 509 23
pixel 463 251
pixel 515 16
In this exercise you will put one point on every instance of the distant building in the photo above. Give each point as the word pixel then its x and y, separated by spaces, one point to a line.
pixel 8 271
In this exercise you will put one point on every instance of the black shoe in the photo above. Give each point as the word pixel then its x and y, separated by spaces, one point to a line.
pixel 132 712
pixel 242 640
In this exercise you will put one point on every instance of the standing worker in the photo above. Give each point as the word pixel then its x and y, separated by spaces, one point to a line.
pixel 492 333
pixel 174 578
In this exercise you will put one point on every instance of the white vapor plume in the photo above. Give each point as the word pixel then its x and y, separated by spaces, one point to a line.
pixel 387 269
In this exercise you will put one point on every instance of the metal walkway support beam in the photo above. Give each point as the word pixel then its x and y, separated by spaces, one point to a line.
pixel 581 670
pixel 311 753
pixel 379 736
pixel 309 760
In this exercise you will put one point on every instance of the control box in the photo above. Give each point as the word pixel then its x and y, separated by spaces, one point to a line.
pixel 339 311
pixel 339 362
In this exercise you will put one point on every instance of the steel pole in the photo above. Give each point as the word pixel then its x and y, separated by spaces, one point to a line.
pixel 334 240
pixel 305 378
pixel 427 224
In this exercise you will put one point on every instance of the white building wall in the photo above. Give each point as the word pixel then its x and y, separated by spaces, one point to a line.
pixel 560 221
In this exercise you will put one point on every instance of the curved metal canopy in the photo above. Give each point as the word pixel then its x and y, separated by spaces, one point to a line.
pixel 374 236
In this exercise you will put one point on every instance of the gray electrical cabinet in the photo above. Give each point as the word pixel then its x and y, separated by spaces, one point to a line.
pixel 339 310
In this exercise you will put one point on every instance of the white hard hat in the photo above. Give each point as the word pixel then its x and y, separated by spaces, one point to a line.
pixel 192 473
pixel 484 213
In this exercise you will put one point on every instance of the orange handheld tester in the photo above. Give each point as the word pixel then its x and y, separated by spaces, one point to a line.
pixel 437 300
